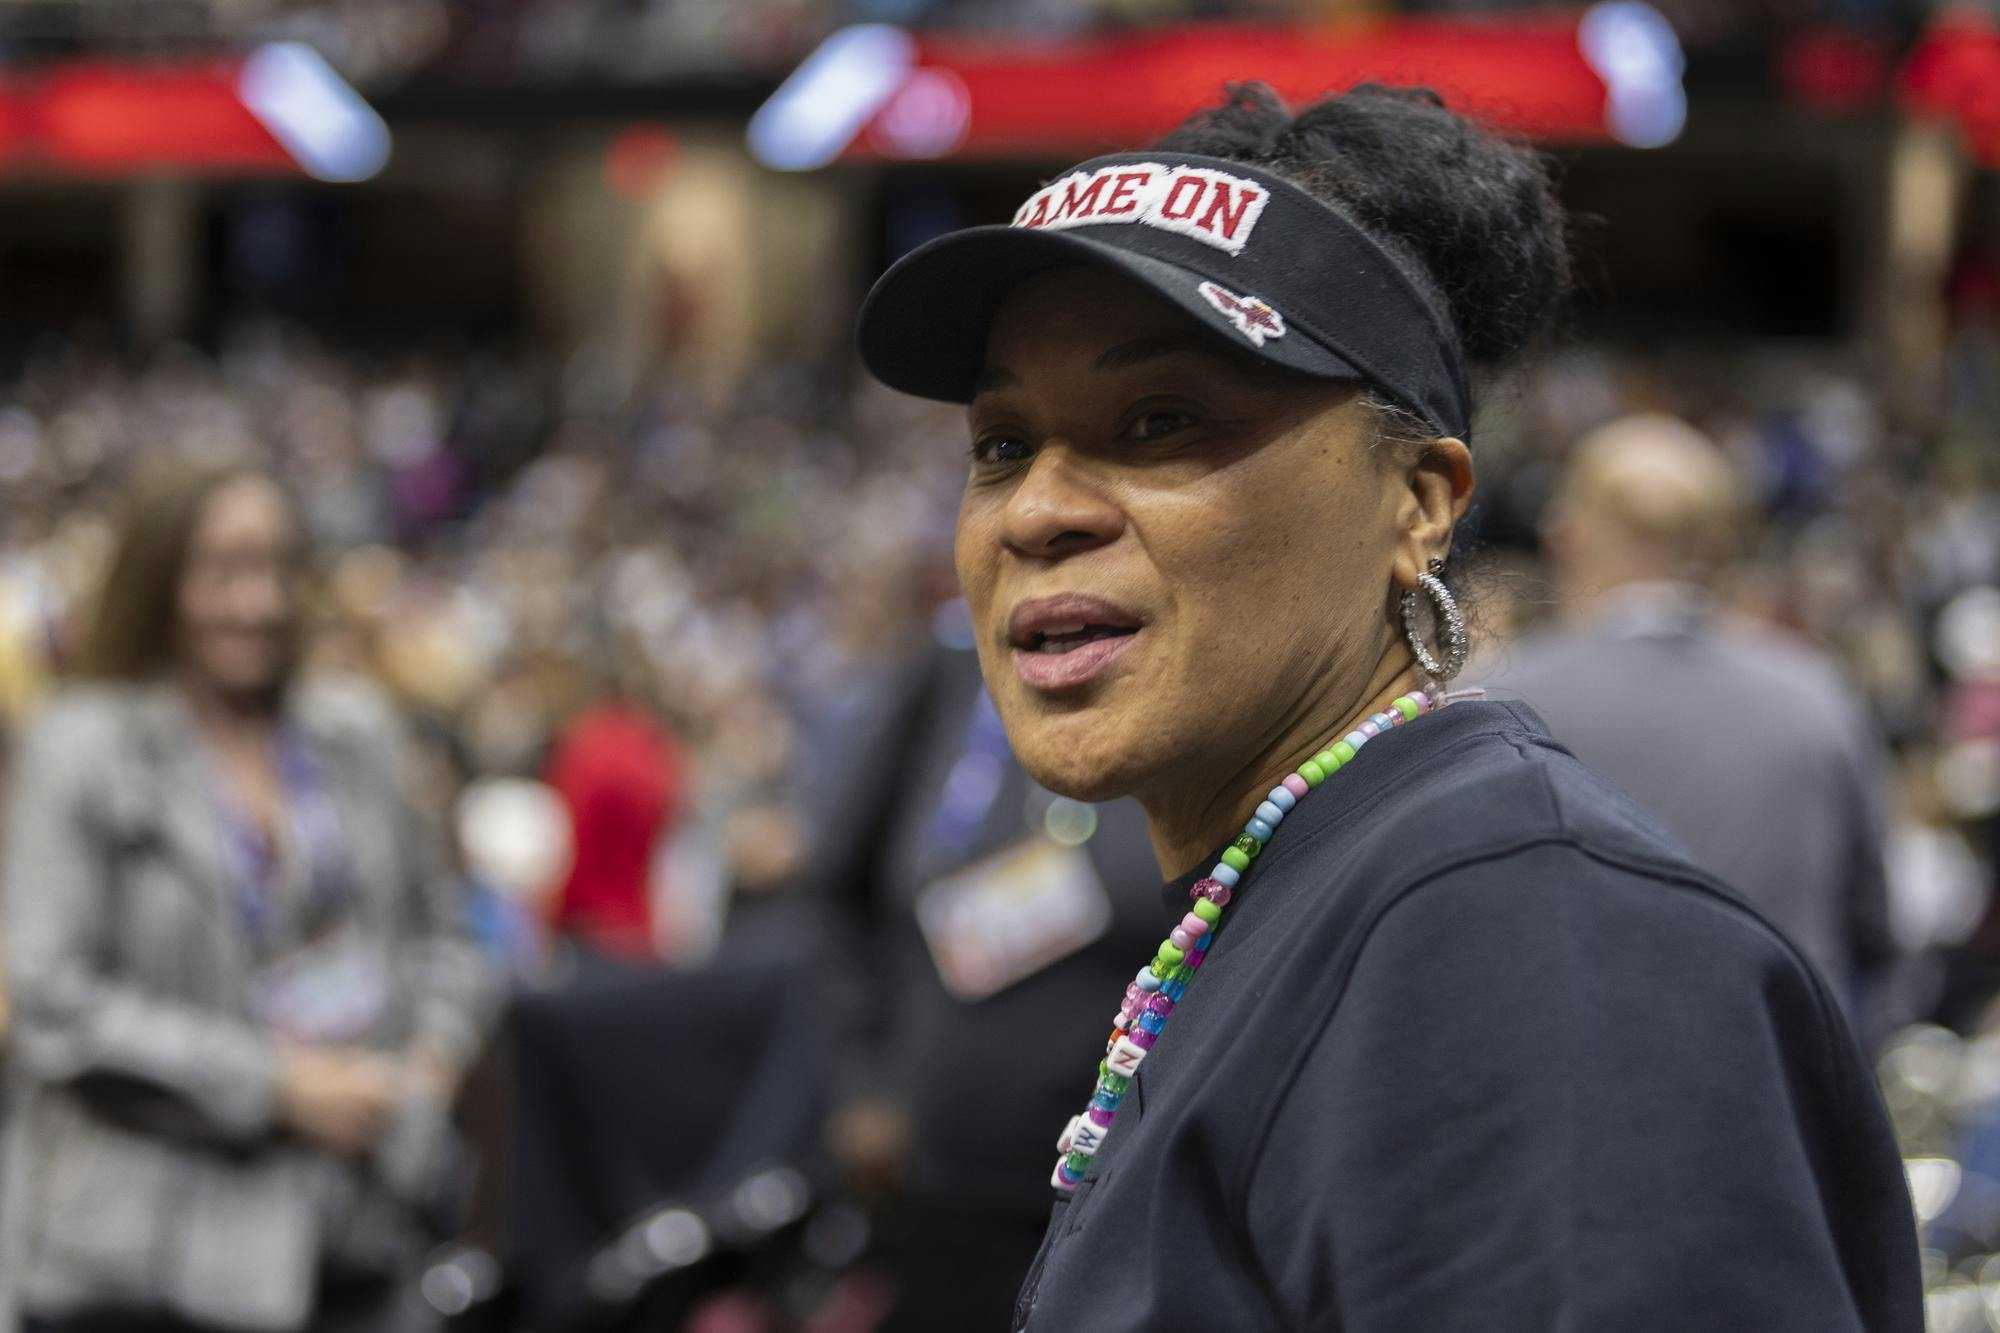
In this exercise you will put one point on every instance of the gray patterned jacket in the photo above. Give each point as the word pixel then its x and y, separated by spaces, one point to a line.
pixel 130 968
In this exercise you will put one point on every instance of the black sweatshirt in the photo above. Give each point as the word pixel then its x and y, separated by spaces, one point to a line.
pixel 1477 1047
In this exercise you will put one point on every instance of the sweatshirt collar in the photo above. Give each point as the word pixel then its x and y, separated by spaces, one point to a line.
pixel 1385 760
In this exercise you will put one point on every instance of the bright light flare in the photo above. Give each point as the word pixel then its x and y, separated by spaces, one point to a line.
pixel 817 112
pixel 1634 50
pixel 330 131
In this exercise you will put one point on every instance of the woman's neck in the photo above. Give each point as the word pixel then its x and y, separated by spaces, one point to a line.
pixel 1189 825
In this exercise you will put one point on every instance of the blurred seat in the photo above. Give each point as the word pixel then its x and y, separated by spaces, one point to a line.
pixel 633 1087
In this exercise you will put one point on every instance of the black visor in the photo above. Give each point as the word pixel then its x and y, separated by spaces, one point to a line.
pixel 1243 252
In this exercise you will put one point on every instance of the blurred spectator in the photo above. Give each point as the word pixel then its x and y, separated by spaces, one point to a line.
pixel 618 773
pixel 1744 742
pixel 979 908
pixel 242 1004
pixel 514 843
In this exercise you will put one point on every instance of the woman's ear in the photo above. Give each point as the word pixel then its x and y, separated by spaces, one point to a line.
pixel 1440 481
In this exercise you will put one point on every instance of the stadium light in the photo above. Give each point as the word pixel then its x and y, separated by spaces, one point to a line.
pixel 818 110
pixel 322 122
pixel 1634 50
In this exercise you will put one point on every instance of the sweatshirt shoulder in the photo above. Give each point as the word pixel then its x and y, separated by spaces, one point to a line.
pixel 78 719
pixel 1519 827
pixel 1513 785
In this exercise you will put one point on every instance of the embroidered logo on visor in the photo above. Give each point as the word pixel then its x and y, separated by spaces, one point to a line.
pixel 1210 206
pixel 1253 318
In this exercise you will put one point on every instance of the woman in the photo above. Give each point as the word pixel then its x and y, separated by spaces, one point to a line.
pixel 240 1003
pixel 1452 1037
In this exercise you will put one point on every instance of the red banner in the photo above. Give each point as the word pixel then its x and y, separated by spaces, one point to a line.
pixel 1009 97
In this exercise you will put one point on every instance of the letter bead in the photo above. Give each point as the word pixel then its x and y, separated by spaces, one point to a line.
pixel 1124 1058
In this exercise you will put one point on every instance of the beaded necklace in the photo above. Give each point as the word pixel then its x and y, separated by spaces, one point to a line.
pixel 1152 995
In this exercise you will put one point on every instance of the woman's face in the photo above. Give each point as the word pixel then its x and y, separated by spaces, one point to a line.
pixel 237 599
pixel 1177 558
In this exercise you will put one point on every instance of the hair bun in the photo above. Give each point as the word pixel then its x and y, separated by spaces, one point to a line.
pixel 1469 209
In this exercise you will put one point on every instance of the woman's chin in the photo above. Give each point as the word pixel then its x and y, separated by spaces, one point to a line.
pixel 1083 768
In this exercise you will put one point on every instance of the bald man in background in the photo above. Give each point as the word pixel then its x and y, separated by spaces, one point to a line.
pixel 1744 741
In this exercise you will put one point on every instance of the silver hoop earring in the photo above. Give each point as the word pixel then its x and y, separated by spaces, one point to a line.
pixel 1449 619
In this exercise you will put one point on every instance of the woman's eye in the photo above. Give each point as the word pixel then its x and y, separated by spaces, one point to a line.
pixel 1158 423
pixel 1000 449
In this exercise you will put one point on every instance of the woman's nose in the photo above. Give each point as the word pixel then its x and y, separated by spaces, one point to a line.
pixel 1060 508
pixel 260 597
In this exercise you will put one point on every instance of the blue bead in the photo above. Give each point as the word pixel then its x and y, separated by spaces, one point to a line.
pixel 1281 798
pixel 1356 739
pixel 1105 1101
pixel 1151 1022
pixel 1201 945
pixel 1173 990
pixel 1225 875
pixel 1259 830
pixel 1271 814
pixel 1147 981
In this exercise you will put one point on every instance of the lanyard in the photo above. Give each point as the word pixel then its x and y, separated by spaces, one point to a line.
pixel 309 812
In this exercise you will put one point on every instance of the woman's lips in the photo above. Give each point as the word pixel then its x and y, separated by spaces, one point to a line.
pixel 1079 665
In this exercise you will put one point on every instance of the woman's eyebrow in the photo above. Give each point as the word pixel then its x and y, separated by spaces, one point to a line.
pixel 1135 352
pixel 1149 348
pixel 994 377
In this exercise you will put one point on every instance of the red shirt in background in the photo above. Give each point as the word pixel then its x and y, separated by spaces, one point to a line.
pixel 618 772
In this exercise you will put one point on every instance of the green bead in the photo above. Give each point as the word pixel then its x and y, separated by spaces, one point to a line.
pixel 1247 844
pixel 1235 860
pixel 1171 953
pixel 1343 751
pixel 1407 707
pixel 1078 1162
pixel 1312 773
pixel 1113 1084
pixel 1327 760
pixel 1207 911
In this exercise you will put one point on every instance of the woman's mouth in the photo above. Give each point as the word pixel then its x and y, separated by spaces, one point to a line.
pixel 1063 642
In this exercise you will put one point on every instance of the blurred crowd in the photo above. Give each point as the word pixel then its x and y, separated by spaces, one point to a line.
pixel 502 541
pixel 637 636
pixel 498 551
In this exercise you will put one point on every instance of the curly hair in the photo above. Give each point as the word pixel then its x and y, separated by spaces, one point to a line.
pixel 1470 214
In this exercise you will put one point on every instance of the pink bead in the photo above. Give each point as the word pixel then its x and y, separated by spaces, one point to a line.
pixel 1296 785
pixel 1181 939
pixel 1160 1005
pixel 1194 926
pixel 1371 729
pixel 1422 701
pixel 1219 894
pixel 1101 1115
pixel 1142 1039
pixel 1134 995
pixel 1194 959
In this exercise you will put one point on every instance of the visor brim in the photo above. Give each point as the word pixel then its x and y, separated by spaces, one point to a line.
pixel 923 328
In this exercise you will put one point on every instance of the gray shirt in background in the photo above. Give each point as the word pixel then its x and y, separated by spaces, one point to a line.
pixel 1745 742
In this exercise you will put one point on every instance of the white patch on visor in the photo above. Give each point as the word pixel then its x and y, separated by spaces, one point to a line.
pixel 1211 206
pixel 1253 317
